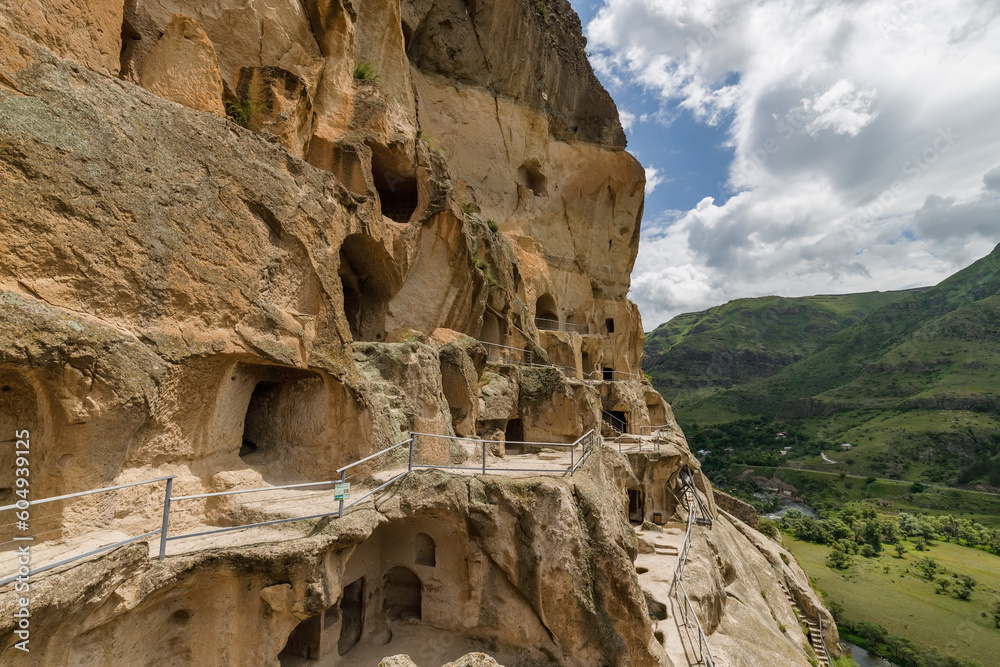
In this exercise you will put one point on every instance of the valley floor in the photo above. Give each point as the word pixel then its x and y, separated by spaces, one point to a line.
pixel 906 604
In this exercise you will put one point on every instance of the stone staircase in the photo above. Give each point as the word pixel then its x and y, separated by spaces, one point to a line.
pixel 815 633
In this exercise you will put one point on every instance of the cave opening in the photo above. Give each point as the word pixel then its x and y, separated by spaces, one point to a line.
pixel 608 374
pixel 352 614
pixel 425 550
pixel 531 177
pixel 546 313
pixel 636 506
pixel 513 434
pixel 403 594
pixel 284 413
pixel 609 323
pixel 366 277
pixel 490 332
pixel 397 193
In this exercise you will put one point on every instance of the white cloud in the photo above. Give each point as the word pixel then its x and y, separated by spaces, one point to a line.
pixel 653 179
pixel 864 136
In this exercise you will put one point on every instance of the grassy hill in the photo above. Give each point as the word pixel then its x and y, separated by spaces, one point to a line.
pixel 912 381
pixel 694 354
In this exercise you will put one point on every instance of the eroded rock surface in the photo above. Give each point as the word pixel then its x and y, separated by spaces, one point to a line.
pixel 415 232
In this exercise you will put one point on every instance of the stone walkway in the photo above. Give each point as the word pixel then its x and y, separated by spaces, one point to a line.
pixel 656 573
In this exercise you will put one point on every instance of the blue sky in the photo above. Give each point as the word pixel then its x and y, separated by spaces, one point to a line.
pixel 808 147
pixel 689 156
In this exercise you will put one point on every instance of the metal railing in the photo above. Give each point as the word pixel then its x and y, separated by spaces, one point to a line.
pixel 399 467
pixel 655 429
pixel 704 652
pixel 23 513
pixel 339 512
pixel 585 442
pixel 618 425
pixel 506 354
pixel 545 324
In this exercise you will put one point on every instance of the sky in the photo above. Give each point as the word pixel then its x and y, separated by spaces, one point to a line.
pixel 798 147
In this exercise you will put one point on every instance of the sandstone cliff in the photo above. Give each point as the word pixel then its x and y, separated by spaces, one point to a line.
pixel 400 188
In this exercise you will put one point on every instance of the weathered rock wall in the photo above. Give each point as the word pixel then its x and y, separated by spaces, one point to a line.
pixel 739 509
pixel 261 299
pixel 540 570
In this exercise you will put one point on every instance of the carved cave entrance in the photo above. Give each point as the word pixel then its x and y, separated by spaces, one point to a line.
pixel 352 614
pixel 546 313
pixel 608 374
pixel 513 433
pixel 403 593
pixel 286 411
pixel 619 419
pixel 636 506
pixel 490 332
pixel 397 193
pixel 366 275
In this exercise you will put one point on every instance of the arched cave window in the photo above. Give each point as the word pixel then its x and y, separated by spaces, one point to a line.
pixel 425 550
pixel 491 328
pixel 402 591
pixel 397 193
pixel 366 275
pixel 530 176
pixel 546 316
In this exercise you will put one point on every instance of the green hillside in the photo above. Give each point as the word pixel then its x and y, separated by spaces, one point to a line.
pixel 748 339
pixel 913 384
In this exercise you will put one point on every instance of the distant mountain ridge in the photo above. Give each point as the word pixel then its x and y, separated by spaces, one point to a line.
pixel 915 374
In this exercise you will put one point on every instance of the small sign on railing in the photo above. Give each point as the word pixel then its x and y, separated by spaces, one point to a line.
pixel 342 491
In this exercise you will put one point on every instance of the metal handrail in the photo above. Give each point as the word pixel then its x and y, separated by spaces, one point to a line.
pixel 652 429
pixel 610 420
pixel 587 441
pixel 42 501
pixel 528 354
pixel 677 584
pixel 546 324
pixel 107 547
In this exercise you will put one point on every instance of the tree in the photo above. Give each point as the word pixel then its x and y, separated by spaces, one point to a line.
pixel 943 585
pixel 838 558
pixel 928 567
pixel 963 593
pixel 900 549
pixel 920 544
pixel 873 633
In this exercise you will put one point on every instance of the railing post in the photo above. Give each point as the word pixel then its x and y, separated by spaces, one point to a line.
pixel 572 467
pixel 340 510
pixel 166 518
pixel 484 457
pixel 409 466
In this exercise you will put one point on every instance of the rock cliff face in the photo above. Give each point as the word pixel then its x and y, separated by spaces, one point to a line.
pixel 400 190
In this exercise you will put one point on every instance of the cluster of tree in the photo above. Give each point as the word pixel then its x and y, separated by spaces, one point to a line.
pixel 857 525
pixel 748 441
pixel 963 583
pixel 900 650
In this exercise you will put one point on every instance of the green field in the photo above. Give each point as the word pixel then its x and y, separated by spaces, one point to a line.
pixel 906 604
